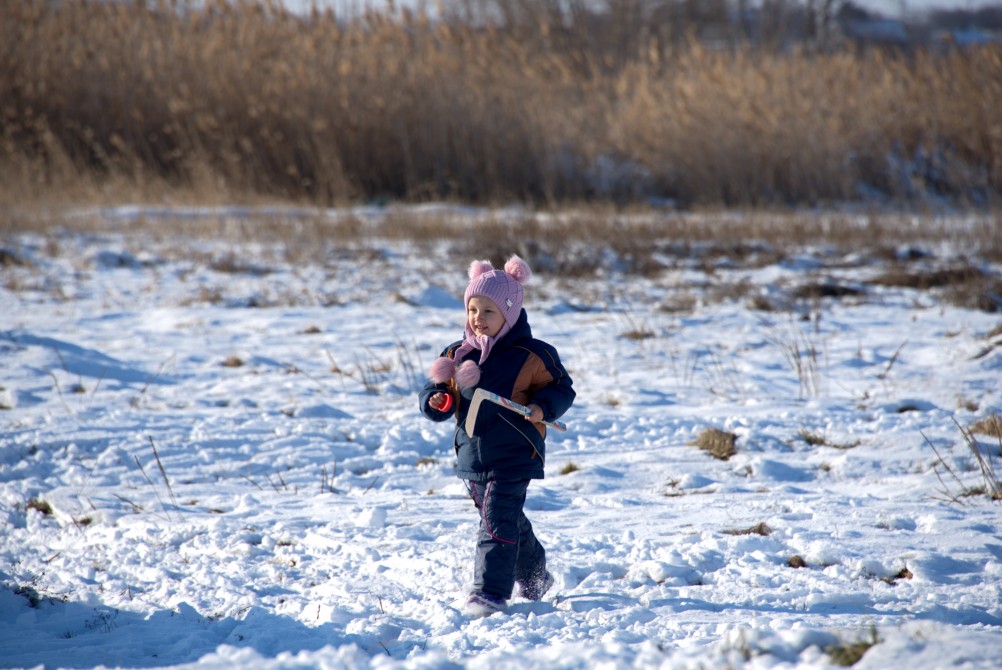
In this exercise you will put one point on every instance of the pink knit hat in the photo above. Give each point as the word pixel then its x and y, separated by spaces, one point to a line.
pixel 504 287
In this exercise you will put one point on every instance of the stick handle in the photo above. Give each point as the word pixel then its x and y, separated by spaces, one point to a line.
pixel 524 411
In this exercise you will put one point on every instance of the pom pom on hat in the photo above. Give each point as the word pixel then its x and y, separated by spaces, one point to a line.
pixel 478 268
pixel 518 269
pixel 503 287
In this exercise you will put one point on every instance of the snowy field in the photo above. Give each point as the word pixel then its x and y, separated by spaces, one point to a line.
pixel 212 457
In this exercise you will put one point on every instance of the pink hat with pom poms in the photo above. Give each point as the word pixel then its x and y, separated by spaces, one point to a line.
pixel 504 287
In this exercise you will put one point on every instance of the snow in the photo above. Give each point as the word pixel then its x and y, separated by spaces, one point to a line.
pixel 897 8
pixel 292 509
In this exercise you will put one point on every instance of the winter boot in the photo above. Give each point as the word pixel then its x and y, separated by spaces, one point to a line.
pixel 534 589
pixel 483 604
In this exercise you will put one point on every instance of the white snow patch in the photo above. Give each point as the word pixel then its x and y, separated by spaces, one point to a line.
pixel 163 510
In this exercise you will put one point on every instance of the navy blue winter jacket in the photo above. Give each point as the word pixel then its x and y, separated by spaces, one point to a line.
pixel 506 446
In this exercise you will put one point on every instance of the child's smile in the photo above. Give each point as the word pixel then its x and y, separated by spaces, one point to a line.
pixel 484 316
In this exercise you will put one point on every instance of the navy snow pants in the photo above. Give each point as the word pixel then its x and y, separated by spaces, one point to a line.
pixel 507 549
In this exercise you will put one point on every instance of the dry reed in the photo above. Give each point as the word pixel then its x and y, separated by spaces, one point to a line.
pixel 245 100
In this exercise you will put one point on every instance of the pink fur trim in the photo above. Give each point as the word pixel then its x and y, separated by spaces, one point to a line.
pixel 478 268
pixel 442 370
pixel 468 375
pixel 518 269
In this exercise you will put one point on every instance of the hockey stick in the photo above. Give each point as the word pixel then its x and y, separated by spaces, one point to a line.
pixel 480 395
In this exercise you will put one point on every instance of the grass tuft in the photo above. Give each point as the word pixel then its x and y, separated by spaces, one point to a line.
pixel 904 573
pixel 990 425
pixel 813 439
pixel 39 506
pixel 847 654
pixel 718 443
pixel 569 467
pixel 956 491
pixel 816 439
pixel 796 561
pixel 758 529
pixel 233 361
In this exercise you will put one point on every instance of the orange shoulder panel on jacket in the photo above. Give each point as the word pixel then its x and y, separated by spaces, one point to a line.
pixel 531 378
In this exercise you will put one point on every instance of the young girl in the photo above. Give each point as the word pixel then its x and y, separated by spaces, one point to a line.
pixel 506 450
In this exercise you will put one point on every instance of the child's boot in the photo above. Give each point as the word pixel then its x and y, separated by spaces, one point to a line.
pixel 483 604
pixel 535 588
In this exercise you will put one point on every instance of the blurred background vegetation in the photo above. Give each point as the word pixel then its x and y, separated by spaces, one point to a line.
pixel 667 103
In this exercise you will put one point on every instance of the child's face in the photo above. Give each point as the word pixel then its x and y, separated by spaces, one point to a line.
pixel 484 316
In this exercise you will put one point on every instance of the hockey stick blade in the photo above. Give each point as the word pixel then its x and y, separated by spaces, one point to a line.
pixel 480 395
pixel 471 415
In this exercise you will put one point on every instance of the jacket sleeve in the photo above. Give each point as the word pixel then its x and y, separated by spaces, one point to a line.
pixel 425 394
pixel 553 389
pixel 431 388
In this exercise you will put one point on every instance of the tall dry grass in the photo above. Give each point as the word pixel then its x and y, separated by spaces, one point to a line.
pixel 244 100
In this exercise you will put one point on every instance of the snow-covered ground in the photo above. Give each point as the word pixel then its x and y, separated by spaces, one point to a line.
pixel 211 456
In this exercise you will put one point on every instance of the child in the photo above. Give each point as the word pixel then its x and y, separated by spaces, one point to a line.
pixel 507 450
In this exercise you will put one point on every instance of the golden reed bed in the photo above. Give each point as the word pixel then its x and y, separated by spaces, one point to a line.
pixel 104 100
